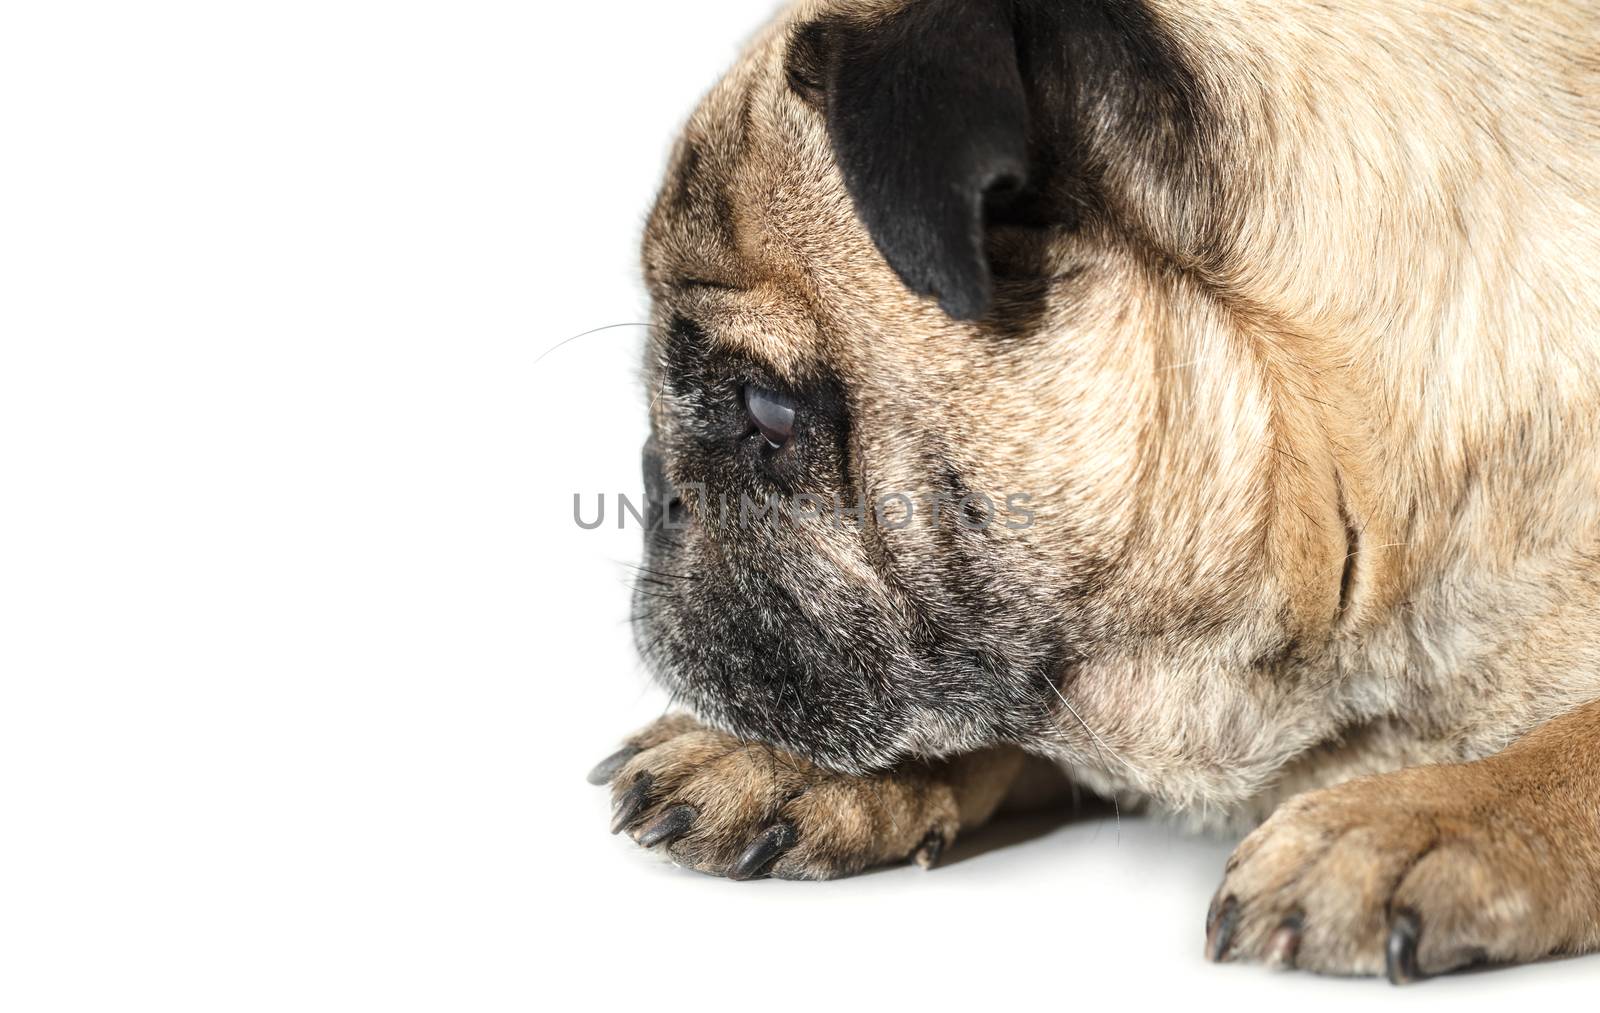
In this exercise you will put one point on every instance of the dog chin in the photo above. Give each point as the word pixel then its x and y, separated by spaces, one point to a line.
pixel 858 744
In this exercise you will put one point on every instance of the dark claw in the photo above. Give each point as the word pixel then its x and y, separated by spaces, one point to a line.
pixel 1284 943
pixel 632 802
pixel 774 841
pixel 928 852
pixel 1405 929
pixel 607 768
pixel 671 826
pixel 1219 929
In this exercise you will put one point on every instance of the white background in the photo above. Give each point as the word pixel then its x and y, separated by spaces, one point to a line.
pixel 303 656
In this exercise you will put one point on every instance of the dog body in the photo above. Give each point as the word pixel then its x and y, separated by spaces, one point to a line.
pixel 1285 321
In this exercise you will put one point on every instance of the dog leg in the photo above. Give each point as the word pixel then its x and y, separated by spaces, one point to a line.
pixel 740 809
pixel 1427 869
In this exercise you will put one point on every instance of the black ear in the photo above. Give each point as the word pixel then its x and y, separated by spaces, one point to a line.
pixel 927 114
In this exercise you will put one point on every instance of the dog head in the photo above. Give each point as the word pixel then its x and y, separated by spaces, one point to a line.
pixel 949 445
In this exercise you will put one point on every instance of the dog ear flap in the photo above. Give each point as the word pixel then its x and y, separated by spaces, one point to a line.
pixel 927 115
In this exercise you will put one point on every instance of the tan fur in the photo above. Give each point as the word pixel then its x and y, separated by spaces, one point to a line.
pixel 1381 351
pixel 1498 859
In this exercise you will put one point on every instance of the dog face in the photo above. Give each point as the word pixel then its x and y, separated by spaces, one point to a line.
pixel 935 264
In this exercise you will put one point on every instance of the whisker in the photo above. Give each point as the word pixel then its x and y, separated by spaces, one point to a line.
pixel 661 366
pixel 661 573
pixel 584 334
pixel 656 594
pixel 1365 548
pixel 1190 362
pixel 1100 745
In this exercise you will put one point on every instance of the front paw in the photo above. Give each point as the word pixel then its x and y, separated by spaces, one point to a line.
pixel 740 809
pixel 1408 874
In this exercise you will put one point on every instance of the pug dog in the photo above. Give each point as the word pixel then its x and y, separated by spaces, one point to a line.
pixel 1281 319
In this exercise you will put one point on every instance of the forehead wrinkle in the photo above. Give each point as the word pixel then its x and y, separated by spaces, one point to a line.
pixel 761 304
pixel 768 325
pixel 694 228
pixel 759 328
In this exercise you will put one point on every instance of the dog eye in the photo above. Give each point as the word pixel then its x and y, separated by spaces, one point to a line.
pixel 771 413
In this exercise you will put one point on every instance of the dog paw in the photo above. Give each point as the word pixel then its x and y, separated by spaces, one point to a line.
pixel 740 809
pixel 1408 874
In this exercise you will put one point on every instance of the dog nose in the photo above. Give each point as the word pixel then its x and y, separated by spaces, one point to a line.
pixel 655 473
pixel 660 497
